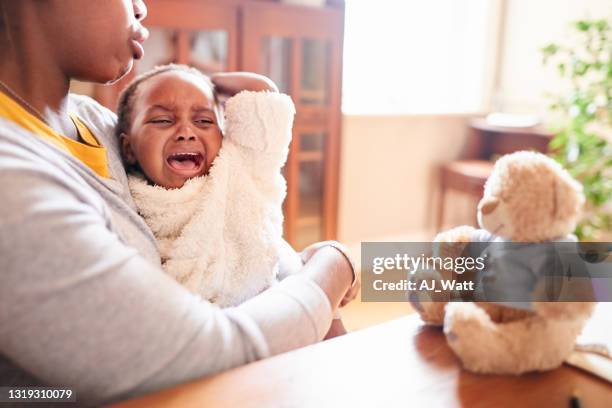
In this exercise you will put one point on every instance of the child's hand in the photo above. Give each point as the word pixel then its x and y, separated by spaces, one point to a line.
pixel 228 84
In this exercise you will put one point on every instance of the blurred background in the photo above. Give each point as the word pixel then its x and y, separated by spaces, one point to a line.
pixel 403 106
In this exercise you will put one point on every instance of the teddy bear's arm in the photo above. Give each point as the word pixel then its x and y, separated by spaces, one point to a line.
pixel 451 243
pixel 430 305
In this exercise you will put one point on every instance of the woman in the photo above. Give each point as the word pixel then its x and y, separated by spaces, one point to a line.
pixel 83 301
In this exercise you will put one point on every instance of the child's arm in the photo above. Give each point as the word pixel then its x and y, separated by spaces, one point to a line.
pixel 259 124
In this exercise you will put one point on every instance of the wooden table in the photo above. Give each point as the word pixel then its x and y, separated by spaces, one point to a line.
pixel 400 363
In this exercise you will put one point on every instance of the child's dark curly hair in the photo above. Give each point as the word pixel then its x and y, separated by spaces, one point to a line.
pixel 126 99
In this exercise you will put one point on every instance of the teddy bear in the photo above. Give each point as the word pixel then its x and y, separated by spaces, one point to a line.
pixel 528 198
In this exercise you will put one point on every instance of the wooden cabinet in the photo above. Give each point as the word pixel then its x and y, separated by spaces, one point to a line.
pixel 300 48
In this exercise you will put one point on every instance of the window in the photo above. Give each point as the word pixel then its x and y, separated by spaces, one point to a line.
pixel 408 56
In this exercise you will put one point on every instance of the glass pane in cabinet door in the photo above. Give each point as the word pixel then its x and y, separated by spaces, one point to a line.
pixel 312 142
pixel 315 70
pixel 309 222
pixel 276 61
pixel 209 51
pixel 160 49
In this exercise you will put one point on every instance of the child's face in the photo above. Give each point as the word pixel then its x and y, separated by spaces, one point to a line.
pixel 174 134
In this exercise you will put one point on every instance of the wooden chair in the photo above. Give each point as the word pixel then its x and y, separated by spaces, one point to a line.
pixel 469 174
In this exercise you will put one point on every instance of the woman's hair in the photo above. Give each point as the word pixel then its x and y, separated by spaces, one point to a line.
pixel 126 99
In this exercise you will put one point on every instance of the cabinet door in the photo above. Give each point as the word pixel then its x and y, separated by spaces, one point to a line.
pixel 190 32
pixel 300 48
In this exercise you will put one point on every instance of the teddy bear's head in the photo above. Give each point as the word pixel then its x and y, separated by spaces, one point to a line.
pixel 529 197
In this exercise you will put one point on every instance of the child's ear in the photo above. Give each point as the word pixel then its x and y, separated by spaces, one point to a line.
pixel 126 149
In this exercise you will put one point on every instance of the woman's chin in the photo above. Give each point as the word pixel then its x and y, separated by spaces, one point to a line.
pixel 120 73
pixel 109 76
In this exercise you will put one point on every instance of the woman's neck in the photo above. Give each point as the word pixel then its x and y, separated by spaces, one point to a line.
pixel 44 90
pixel 31 71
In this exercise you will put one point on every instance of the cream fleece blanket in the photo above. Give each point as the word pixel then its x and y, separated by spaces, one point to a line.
pixel 220 235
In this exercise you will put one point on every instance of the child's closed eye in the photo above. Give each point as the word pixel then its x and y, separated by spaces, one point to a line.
pixel 161 121
pixel 204 121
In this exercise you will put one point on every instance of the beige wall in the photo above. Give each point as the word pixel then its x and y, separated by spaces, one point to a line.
pixel 530 25
pixel 388 177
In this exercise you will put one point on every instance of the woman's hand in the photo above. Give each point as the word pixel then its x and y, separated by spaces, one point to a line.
pixel 342 259
pixel 228 84
pixel 337 329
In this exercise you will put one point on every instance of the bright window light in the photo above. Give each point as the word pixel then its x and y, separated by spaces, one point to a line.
pixel 415 57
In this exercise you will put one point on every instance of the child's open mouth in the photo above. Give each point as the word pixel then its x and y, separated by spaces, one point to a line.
pixel 188 163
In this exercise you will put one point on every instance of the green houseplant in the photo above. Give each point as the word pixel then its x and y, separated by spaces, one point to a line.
pixel 583 141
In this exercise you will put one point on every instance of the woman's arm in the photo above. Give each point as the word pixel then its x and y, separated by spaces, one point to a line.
pixel 289 262
pixel 79 308
pixel 230 83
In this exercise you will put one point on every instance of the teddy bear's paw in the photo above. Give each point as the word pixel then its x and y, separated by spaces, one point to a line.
pixel 424 283
pixel 428 304
pixel 431 313
pixel 458 234
pixel 464 320
pixel 452 243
